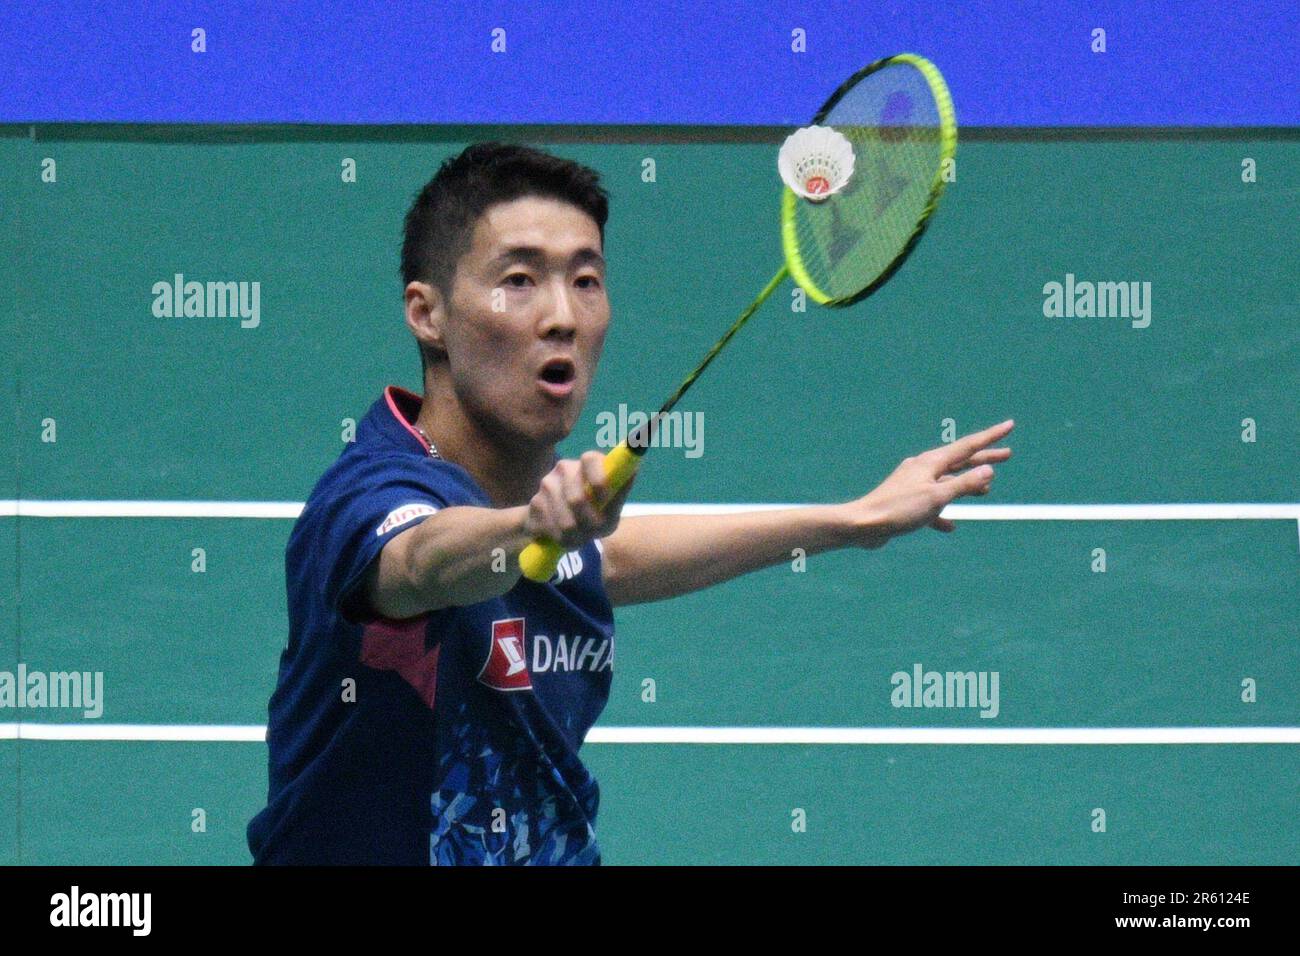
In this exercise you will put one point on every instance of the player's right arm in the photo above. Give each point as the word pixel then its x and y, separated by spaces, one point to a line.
pixel 463 555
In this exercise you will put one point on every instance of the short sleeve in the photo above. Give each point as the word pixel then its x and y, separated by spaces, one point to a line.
pixel 364 510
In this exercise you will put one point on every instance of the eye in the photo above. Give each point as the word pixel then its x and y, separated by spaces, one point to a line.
pixel 518 279
pixel 589 282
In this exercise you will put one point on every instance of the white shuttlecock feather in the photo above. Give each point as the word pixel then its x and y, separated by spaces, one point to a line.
pixel 815 162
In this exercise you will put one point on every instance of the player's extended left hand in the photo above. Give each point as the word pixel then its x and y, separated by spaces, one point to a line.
pixel 923 485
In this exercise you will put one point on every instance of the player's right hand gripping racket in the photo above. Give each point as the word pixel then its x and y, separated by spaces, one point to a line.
pixel 861 184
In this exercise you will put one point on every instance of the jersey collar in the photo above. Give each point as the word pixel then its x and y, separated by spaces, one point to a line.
pixel 404 407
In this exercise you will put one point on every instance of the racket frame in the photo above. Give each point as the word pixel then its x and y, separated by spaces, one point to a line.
pixel 947 150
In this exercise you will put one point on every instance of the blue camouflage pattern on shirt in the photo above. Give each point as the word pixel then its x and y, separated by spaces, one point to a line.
pixel 545 823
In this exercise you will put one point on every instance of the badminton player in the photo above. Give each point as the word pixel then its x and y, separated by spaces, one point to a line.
pixel 431 703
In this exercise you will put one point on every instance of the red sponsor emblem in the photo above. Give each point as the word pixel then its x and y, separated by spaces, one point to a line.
pixel 507 665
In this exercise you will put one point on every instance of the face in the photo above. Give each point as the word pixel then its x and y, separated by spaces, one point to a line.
pixel 527 318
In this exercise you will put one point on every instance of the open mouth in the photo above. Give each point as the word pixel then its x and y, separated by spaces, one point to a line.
pixel 558 372
pixel 557 377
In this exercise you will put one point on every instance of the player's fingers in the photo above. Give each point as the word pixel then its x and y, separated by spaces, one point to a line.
pixel 573 486
pixel 948 456
pixel 546 511
pixel 577 497
pixel 952 455
pixel 987 456
pixel 973 482
pixel 943 524
pixel 593 473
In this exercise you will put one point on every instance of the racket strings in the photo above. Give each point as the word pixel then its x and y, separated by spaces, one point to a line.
pixel 891 119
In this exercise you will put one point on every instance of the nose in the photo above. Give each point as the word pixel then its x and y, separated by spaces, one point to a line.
pixel 559 319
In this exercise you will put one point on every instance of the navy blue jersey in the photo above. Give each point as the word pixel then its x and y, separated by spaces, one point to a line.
pixel 448 738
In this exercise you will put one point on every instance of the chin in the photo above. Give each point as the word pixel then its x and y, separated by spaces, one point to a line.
pixel 553 434
pixel 537 429
pixel 559 423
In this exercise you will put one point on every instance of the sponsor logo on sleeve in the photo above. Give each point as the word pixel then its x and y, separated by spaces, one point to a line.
pixel 403 515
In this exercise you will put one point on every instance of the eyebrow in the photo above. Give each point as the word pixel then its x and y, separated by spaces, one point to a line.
pixel 536 257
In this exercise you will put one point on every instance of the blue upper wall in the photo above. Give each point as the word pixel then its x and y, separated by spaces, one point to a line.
pixel 1197 63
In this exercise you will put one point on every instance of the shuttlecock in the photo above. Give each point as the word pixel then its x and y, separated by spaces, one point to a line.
pixel 815 162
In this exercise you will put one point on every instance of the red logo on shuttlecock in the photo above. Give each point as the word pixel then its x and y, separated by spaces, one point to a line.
pixel 507 665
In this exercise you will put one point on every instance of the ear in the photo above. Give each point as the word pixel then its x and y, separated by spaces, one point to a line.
pixel 426 316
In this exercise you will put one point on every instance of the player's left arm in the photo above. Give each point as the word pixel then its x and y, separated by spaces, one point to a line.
pixel 652 557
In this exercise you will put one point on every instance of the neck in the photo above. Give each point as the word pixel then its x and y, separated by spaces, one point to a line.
pixel 508 472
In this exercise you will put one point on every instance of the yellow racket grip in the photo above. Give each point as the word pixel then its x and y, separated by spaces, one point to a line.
pixel 538 560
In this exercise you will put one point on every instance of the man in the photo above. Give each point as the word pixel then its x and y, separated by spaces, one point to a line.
pixel 431 702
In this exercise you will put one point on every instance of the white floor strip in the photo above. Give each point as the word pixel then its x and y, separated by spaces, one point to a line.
pixel 945 735
pixel 190 733
pixel 32 508
pixel 28 508
pixel 953 736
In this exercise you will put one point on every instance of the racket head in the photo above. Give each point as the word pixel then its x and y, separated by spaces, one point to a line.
pixel 898 116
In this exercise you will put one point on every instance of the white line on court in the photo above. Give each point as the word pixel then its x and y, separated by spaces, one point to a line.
pixel 29 508
pixel 707 735
pixel 952 736
pixel 185 733
pixel 1227 511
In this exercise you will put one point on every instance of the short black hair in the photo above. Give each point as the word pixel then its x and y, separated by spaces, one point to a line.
pixel 440 223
